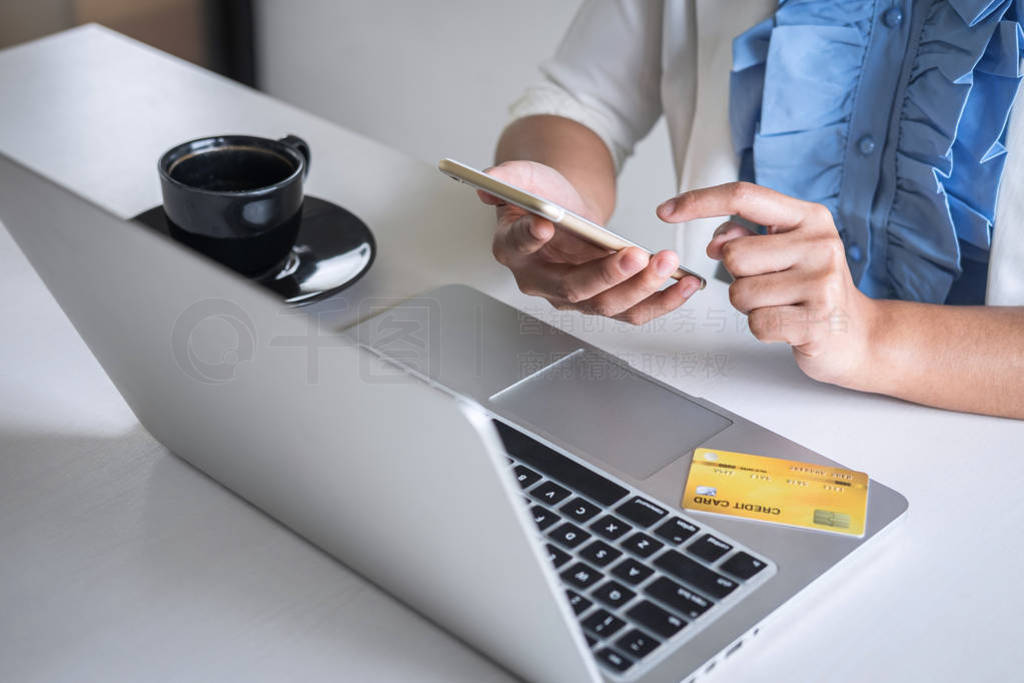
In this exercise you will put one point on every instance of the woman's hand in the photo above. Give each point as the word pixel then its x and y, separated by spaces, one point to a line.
pixel 793 283
pixel 571 273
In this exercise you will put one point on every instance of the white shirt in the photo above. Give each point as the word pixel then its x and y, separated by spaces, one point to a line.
pixel 624 63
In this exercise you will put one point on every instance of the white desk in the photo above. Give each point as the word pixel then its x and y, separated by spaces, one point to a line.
pixel 118 561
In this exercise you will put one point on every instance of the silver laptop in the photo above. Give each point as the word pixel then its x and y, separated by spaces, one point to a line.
pixel 516 485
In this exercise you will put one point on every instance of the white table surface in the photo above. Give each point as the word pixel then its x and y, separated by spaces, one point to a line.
pixel 120 562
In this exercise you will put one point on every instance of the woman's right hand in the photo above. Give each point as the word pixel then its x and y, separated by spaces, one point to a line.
pixel 570 273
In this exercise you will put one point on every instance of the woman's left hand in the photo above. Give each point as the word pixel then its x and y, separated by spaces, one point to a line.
pixel 793 283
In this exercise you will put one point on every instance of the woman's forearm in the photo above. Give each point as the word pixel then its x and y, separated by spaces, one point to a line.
pixel 572 149
pixel 967 358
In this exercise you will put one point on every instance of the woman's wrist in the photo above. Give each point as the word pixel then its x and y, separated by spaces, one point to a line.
pixel 871 370
pixel 570 148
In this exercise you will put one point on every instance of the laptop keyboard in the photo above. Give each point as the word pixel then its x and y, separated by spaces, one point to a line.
pixel 637 575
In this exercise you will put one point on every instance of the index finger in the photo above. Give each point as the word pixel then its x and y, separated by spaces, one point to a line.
pixel 522 237
pixel 752 202
pixel 488 198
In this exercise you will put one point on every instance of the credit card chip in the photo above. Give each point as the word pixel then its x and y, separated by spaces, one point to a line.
pixel 830 518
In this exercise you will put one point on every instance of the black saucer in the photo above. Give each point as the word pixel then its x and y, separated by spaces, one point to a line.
pixel 333 250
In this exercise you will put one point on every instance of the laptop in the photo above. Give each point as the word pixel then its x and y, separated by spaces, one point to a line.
pixel 514 484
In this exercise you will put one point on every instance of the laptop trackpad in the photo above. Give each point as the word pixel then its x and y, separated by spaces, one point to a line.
pixel 609 413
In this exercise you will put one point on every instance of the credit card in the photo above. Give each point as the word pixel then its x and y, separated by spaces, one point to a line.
pixel 785 492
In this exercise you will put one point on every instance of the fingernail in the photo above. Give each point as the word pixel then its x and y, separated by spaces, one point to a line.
pixel 664 267
pixel 690 287
pixel 633 262
pixel 667 207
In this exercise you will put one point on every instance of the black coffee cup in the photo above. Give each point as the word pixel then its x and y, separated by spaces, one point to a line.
pixel 236 198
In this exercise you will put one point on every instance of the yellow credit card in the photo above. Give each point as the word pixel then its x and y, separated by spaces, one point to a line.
pixel 778 491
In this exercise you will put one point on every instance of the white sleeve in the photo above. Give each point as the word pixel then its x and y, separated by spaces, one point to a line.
pixel 606 74
pixel 1006 255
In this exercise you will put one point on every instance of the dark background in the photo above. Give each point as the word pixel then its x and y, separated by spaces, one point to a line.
pixel 216 34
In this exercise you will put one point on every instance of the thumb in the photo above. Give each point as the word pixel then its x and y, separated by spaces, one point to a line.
pixel 726 232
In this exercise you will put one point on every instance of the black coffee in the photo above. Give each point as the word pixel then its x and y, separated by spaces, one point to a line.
pixel 232 169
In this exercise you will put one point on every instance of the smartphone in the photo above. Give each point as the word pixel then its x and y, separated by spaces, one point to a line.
pixel 560 216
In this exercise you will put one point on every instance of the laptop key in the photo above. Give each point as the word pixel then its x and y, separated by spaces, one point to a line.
pixel 600 553
pixel 578 603
pixel 560 468
pixel 581 575
pixel 709 548
pixel 557 556
pixel 603 623
pixel 679 598
pixel 631 571
pixel 569 535
pixel 613 594
pixel 613 660
pixel 543 517
pixel 637 643
pixel 579 510
pixel 695 574
pixel 610 527
pixel 525 476
pixel 641 544
pixel 743 565
pixel 675 530
pixel 591 640
pixel 641 511
pixel 549 492
pixel 648 614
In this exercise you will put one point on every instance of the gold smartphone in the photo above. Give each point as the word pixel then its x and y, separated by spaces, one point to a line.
pixel 560 216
